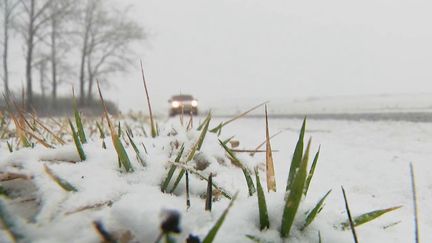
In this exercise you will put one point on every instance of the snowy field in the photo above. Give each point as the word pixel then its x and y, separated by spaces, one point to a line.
pixel 370 159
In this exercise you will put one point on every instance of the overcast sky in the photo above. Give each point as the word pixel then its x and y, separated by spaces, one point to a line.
pixel 277 49
pixel 227 51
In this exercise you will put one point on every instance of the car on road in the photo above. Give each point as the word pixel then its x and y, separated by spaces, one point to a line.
pixel 185 104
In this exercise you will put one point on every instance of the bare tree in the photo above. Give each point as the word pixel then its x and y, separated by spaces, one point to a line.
pixel 88 16
pixel 109 50
pixel 36 16
pixel 59 11
pixel 42 66
pixel 106 37
pixel 8 9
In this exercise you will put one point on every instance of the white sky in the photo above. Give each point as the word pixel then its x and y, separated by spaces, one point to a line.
pixel 240 50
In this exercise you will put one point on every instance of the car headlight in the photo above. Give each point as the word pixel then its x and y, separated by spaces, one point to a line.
pixel 175 104
pixel 194 103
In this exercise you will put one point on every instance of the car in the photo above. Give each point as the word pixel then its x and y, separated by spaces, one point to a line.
pixel 185 104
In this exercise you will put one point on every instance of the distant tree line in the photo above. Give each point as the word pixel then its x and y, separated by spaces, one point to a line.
pixel 58 35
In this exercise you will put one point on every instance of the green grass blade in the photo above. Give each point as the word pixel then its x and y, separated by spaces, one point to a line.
pixel 61 182
pixel 172 170
pixel 253 238
pixel 226 141
pixel 101 131
pixel 9 223
pixel 135 148
pixel 80 127
pixel 311 171
pixel 297 157
pixel 295 195
pixel 209 196
pixel 121 152
pixel 315 211
pixel 350 220
pixel 201 126
pixel 367 217
pixel 191 155
pixel 204 132
pixel 246 172
pixel 213 231
pixel 9 146
pixel 217 129
pixel 77 142
pixel 102 134
pixel 262 205
pixel 78 120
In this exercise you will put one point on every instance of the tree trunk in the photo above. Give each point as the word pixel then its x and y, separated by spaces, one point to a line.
pixel 42 68
pixel 82 67
pixel 29 57
pixel 90 79
pixel 54 60
pixel 5 48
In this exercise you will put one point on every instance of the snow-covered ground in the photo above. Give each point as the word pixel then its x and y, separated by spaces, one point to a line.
pixel 370 159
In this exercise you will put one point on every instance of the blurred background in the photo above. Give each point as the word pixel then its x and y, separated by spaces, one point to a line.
pixel 305 57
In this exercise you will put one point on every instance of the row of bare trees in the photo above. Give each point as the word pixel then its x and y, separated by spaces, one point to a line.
pixel 58 34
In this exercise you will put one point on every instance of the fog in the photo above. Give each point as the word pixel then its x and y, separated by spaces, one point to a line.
pixel 228 53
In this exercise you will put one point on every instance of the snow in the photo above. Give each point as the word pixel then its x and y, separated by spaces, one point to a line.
pixel 370 159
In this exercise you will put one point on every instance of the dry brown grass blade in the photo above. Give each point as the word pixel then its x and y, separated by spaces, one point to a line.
pixel 88 207
pixel 244 113
pixel 252 151
pixel 8 176
pixel 270 173
pixel 59 140
pixel 38 139
pixel 153 128
pixel 264 142
pixel 110 125
pixel 20 131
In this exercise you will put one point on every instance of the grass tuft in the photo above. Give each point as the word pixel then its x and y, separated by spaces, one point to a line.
pixel 135 148
pixel 192 152
pixel 295 193
pixel 172 169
